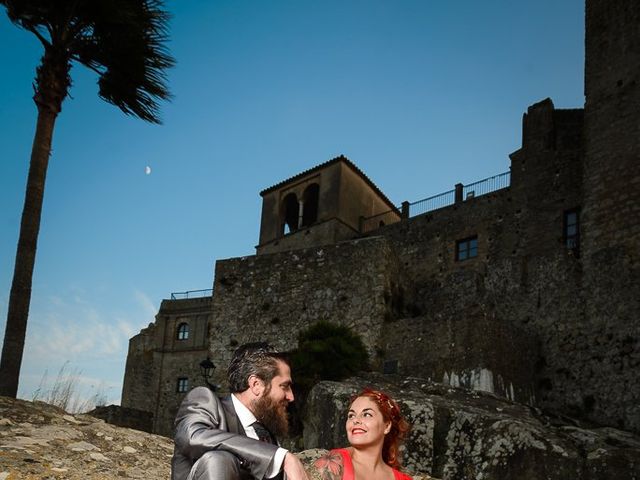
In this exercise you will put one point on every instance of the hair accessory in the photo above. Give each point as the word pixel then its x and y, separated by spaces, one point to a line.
pixel 384 400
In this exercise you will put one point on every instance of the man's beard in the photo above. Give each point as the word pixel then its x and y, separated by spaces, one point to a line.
pixel 273 415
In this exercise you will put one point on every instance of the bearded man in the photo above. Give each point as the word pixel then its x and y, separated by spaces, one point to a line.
pixel 234 438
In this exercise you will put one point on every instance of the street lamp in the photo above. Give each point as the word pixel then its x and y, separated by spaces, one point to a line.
pixel 206 369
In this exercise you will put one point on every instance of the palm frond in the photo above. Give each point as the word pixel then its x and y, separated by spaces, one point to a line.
pixel 124 41
pixel 127 45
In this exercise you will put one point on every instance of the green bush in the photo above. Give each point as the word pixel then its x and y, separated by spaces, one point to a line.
pixel 327 351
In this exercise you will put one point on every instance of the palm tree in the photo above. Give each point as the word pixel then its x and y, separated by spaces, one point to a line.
pixel 123 41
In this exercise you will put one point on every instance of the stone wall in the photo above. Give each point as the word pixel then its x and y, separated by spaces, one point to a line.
pixel 612 208
pixel 524 280
pixel 470 349
pixel 612 127
pixel 557 322
pixel 326 232
pixel 157 358
pixel 520 319
pixel 141 371
pixel 272 297
pixel 125 417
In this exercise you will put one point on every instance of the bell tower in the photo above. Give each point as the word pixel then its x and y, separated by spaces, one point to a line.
pixel 320 206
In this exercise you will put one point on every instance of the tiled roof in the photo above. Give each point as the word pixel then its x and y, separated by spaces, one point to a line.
pixel 340 158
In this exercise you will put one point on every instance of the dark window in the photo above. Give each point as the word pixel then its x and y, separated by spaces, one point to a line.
pixel 183 331
pixel 571 230
pixel 310 204
pixel 390 367
pixel 290 213
pixel 467 248
pixel 182 385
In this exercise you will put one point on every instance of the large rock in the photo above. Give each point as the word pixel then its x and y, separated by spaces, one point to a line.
pixel 40 441
pixel 459 434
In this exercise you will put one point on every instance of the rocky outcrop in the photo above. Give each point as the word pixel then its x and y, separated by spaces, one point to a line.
pixel 459 434
pixel 40 441
pixel 456 434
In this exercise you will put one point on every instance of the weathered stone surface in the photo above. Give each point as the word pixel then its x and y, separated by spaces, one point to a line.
pixel 157 358
pixel 273 297
pixel 124 417
pixel 539 315
pixel 460 434
pixel 39 441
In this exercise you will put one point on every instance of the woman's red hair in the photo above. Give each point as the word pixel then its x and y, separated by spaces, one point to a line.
pixel 399 426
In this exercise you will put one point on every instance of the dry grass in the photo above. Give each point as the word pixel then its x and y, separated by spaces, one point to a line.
pixel 64 393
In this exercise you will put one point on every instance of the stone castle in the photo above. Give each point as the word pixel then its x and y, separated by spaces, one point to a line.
pixel 526 284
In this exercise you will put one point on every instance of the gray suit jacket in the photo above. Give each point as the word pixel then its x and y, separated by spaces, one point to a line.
pixel 203 423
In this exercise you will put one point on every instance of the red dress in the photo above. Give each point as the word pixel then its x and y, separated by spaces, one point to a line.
pixel 348 467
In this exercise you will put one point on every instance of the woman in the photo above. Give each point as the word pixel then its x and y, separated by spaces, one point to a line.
pixel 375 428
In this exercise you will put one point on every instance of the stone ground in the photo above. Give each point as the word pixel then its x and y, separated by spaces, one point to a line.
pixel 40 441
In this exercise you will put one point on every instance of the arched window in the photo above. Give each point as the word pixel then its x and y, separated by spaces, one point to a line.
pixel 310 204
pixel 290 209
pixel 183 331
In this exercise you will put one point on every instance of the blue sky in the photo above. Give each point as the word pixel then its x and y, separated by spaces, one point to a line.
pixel 419 94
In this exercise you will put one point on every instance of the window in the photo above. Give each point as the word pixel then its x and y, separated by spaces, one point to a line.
pixel 183 331
pixel 467 248
pixel 571 230
pixel 390 367
pixel 182 385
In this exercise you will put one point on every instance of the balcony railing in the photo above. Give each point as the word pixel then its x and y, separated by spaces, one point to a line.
pixel 488 185
pixel 432 203
pixel 460 193
pixel 192 294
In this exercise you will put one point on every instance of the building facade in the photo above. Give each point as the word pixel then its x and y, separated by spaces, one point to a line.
pixel 528 288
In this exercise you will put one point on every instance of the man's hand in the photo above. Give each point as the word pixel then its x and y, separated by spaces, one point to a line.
pixel 293 468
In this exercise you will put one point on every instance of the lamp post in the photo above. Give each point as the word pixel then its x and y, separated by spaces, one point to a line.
pixel 206 369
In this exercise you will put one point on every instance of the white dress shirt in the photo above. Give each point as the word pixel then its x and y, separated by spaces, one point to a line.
pixel 247 419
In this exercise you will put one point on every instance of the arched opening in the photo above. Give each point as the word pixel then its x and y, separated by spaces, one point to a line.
pixel 290 209
pixel 310 204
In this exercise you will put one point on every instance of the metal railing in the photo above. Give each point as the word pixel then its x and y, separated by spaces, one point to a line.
pixel 488 185
pixel 192 294
pixel 432 203
pixel 459 194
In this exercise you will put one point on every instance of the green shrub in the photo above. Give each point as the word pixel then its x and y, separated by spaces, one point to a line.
pixel 327 351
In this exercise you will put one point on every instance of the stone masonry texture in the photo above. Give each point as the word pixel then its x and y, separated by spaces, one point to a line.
pixel 530 318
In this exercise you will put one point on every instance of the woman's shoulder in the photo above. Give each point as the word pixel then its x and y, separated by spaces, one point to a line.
pixel 401 476
pixel 331 465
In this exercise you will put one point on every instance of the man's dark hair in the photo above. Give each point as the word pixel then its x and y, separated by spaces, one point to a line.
pixel 257 358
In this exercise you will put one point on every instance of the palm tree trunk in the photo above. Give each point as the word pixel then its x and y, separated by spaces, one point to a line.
pixel 20 298
pixel 52 84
